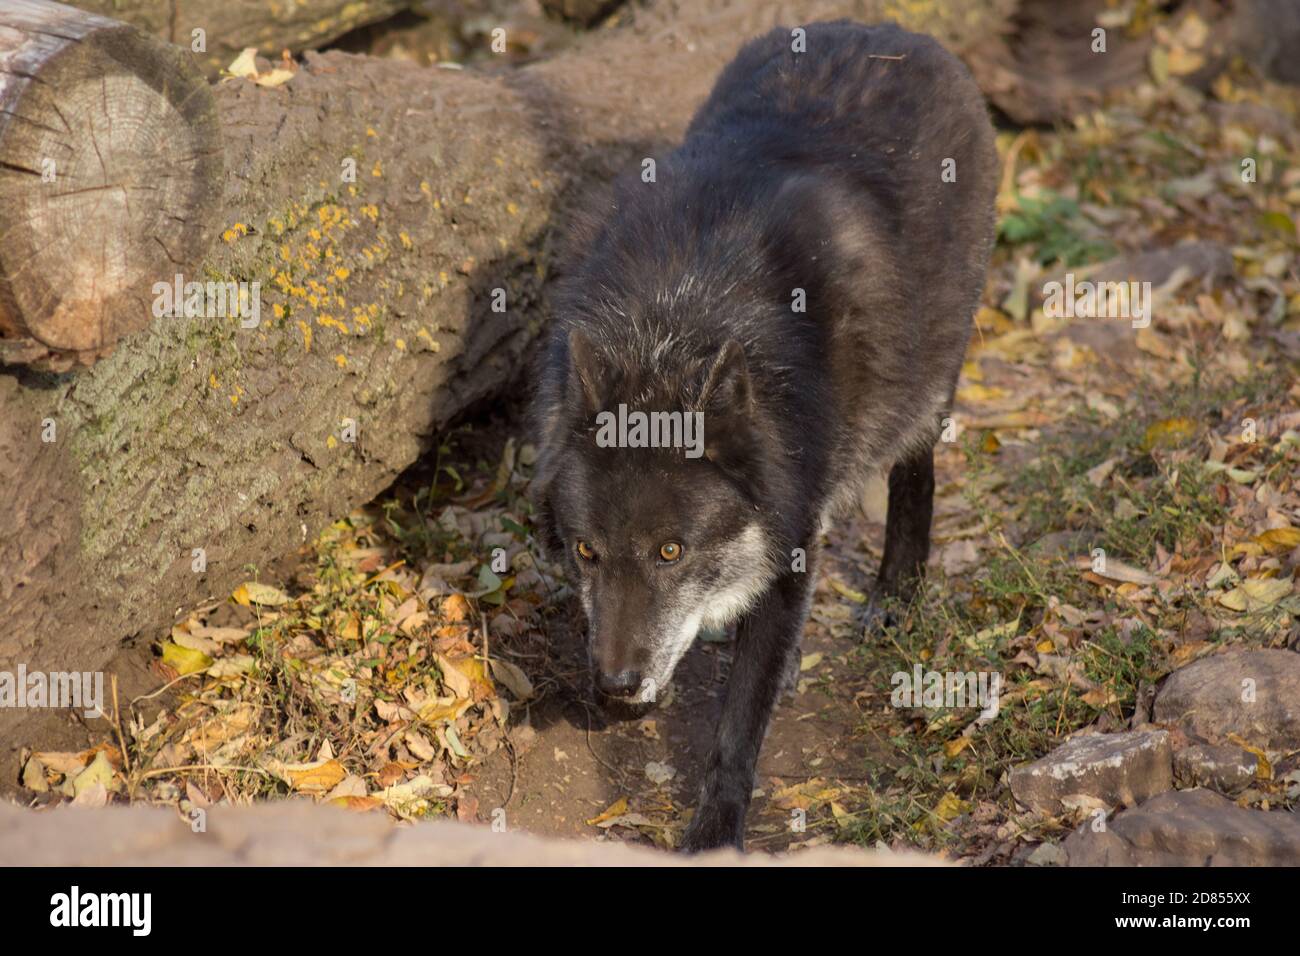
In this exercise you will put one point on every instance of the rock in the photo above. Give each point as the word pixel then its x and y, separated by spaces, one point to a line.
pixel 1113 769
pixel 1189 828
pixel 1048 854
pixel 1227 769
pixel 1254 694
pixel 298 833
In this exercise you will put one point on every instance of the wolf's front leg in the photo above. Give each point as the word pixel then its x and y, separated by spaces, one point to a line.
pixel 907 535
pixel 765 637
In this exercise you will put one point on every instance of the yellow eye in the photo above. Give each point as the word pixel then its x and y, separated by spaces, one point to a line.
pixel 585 552
pixel 672 551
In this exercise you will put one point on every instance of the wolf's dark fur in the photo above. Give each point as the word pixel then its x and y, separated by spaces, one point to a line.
pixel 819 171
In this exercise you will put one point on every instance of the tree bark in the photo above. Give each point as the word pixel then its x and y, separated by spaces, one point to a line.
pixel 110 172
pixel 376 307
pixel 230 26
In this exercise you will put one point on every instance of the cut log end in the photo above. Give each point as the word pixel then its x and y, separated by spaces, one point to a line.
pixel 110 173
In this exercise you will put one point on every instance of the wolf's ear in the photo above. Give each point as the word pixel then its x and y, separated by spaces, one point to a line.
pixel 727 402
pixel 588 375
pixel 726 387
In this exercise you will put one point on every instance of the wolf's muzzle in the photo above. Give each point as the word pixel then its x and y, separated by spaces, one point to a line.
pixel 622 684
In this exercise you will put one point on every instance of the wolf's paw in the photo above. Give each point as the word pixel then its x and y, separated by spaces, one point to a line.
pixel 875 617
pixel 714 826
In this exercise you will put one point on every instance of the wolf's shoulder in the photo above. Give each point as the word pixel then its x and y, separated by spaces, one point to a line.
pixel 834 70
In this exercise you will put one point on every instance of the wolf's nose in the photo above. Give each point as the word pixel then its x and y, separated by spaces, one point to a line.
pixel 622 684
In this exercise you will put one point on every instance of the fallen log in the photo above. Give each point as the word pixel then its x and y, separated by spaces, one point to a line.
pixel 216 31
pixel 110 170
pixel 1051 65
pixel 387 231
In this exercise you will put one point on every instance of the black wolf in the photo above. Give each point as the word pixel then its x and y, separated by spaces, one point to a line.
pixel 801 273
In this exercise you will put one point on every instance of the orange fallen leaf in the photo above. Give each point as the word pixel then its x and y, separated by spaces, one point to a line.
pixel 615 809
pixel 319 777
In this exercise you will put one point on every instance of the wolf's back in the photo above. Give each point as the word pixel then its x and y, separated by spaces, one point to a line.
pixel 888 113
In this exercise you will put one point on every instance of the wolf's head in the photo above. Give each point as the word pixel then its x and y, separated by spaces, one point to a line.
pixel 658 541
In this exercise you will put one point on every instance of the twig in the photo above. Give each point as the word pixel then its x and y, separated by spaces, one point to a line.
pixel 117 725
pixel 203 766
pixel 1065 699
pixel 377 575
pixel 165 687
pixel 614 770
pixel 514 770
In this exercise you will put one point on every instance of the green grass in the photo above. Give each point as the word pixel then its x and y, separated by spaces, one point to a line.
pixel 1053 229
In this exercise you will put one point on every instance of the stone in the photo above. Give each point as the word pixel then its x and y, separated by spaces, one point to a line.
pixel 1048 854
pixel 1254 694
pixel 1113 769
pixel 1189 828
pixel 1225 768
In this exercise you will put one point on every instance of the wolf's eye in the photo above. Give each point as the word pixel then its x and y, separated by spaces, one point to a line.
pixel 585 552
pixel 672 551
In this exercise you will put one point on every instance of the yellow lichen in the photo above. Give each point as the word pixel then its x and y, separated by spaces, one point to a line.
pixel 332 323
